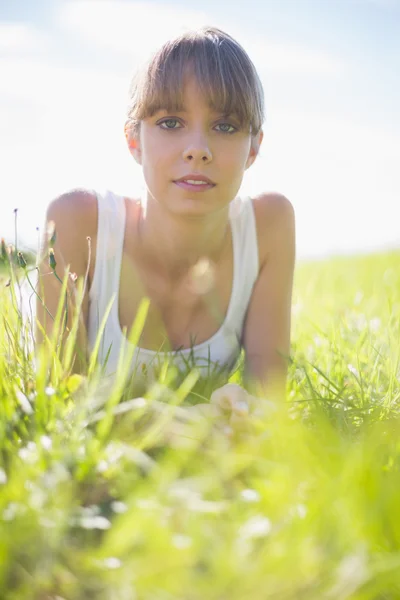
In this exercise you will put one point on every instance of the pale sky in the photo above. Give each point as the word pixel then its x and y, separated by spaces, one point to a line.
pixel 331 75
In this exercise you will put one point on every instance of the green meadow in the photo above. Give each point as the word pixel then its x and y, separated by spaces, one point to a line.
pixel 108 494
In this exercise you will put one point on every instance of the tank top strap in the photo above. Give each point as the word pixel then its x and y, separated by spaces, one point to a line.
pixel 111 224
pixel 246 258
pixel 244 229
pixel 109 246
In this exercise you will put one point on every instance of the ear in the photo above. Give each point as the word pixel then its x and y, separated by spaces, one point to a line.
pixel 254 148
pixel 133 143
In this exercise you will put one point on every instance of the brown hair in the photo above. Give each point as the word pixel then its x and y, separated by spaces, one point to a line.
pixel 222 69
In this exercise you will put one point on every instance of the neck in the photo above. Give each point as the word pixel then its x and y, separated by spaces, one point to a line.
pixel 172 243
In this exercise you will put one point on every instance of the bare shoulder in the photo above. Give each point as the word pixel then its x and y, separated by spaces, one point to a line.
pixel 269 206
pixel 74 214
pixel 75 204
pixel 275 218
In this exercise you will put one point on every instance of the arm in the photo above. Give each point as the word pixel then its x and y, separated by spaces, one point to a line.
pixel 75 217
pixel 266 336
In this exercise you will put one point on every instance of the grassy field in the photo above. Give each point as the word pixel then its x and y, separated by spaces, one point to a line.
pixel 106 499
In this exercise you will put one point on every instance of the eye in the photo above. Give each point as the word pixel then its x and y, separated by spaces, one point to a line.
pixel 168 121
pixel 227 125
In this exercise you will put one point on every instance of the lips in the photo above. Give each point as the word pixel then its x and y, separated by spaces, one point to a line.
pixel 194 187
pixel 195 177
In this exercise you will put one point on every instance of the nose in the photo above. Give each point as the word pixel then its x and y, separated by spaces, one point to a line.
pixel 198 151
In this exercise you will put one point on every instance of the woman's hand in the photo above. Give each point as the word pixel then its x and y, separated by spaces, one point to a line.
pixel 234 403
pixel 231 410
pixel 238 405
pixel 228 405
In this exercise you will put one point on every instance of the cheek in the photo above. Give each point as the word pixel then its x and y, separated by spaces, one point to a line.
pixel 234 160
pixel 156 168
pixel 157 152
pixel 235 153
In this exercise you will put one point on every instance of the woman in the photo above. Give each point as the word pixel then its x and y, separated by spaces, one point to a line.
pixel 217 268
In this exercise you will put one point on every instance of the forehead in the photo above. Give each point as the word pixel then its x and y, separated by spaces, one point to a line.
pixel 190 98
pixel 195 89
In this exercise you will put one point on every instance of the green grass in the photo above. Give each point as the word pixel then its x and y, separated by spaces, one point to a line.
pixel 144 505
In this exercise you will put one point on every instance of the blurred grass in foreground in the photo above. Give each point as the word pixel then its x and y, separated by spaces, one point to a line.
pixel 149 505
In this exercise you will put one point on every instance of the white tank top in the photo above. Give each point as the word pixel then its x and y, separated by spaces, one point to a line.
pixel 222 349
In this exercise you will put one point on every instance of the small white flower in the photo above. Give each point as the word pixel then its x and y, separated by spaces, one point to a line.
pixel 10 511
pixel 352 369
pixel 375 324
pixel 389 276
pixel 358 297
pixel 47 523
pixel 351 573
pixel 46 442
pixel 37 499
pixel 96 522
pixel 250 495
pixel 112 562
pixel 318 341
pixel 360 322
pixel 181 541
pixel 102 466
pixel 301 510
pixel 256 527
pixel 24 402
pixel 147 504
pixel 119 507
pixel 207 506
pixel 27 455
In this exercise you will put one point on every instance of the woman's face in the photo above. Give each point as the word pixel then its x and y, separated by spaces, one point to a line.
pixel 198 140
